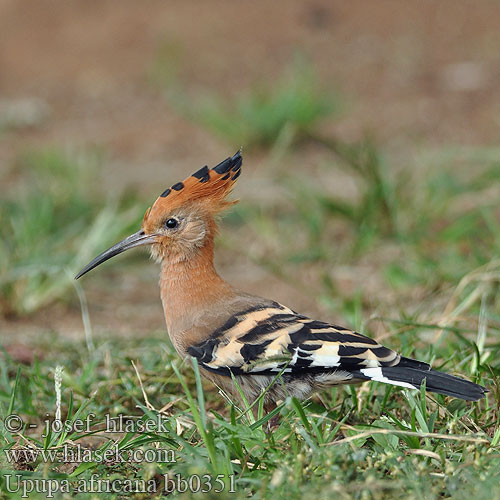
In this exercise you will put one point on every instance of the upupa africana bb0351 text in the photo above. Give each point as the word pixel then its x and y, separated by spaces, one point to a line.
pixel 233 333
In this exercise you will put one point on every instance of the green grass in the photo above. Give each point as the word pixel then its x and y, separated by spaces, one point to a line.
pixel 53 222
pixel 283 110
pixel 433 237
pixel 347 442
pixel 438 222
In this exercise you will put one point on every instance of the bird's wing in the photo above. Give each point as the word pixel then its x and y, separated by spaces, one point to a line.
pixel 269 338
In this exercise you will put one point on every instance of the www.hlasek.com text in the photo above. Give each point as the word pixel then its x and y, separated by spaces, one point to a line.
pixel 78 454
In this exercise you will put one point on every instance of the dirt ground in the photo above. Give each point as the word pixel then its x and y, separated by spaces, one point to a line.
pixel 415 74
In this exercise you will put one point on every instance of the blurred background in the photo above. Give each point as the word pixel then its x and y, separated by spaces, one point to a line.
pixel 371 158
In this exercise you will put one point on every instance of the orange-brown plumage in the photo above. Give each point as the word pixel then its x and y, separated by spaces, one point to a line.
pixel 189 283
pixel 207 189
pixel 230 332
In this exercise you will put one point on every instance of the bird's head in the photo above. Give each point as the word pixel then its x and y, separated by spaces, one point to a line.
pixel 182 219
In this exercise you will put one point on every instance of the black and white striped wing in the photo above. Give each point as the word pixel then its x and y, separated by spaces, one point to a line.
pixel 268 339
pixel 271 338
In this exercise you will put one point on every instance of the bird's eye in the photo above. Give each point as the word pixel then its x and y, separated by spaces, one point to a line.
pixel 171 223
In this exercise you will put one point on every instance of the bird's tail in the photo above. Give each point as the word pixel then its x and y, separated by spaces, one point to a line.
pixel 411 373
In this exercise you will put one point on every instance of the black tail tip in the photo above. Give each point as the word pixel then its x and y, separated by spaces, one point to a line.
pixel 466 390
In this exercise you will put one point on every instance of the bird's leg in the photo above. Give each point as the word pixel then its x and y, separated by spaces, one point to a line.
pixel 271 424
pixel 274 422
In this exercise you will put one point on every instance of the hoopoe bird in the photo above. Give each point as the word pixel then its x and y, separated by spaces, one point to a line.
pixel 233 333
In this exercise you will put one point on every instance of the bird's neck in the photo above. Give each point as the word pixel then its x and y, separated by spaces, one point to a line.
pixel 190 288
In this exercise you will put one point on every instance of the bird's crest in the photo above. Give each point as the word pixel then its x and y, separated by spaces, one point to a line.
pixel 208 186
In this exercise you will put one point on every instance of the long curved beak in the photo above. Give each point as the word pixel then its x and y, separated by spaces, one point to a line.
pixel 134 240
